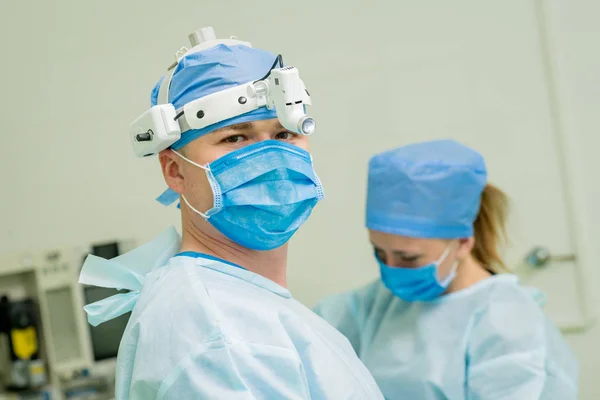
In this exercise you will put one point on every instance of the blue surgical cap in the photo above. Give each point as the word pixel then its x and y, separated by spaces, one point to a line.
pixel 217 68
pixel 426 190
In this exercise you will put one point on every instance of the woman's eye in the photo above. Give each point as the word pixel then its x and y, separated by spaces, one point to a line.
pixel 409 261
pixel 234 139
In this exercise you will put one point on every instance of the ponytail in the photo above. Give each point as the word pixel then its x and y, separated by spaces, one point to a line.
pixel 490 228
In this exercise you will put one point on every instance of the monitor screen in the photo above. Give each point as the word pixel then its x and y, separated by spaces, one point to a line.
pixel 106 250
pixel 106 337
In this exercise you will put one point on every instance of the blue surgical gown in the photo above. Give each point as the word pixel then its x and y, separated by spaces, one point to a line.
pixel 490 341
pixel 202 328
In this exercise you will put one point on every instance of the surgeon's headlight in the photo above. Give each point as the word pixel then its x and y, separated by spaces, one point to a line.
pixel 306 125
pixel 287 94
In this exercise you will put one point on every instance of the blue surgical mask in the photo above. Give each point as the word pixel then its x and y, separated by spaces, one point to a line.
pixel 262 193
pixel 417 284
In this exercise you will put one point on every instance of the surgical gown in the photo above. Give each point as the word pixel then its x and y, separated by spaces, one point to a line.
pixel 202 328
pixel 490 341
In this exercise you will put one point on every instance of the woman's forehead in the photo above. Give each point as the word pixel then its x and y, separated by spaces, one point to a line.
pixel 404 244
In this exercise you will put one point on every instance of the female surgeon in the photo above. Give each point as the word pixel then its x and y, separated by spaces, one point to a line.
pixel 443 322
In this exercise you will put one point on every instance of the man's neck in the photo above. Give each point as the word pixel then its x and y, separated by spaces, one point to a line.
pixel 271 264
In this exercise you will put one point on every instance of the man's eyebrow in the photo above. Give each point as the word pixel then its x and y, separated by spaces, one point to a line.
pixel 242 126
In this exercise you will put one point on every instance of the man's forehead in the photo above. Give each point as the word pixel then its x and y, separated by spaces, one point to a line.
pixel 249 126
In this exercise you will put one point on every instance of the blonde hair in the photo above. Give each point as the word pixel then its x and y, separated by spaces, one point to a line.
pixel 490 229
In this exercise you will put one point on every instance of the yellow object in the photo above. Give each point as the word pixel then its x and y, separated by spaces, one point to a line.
pixel 24 342
pixel 37 369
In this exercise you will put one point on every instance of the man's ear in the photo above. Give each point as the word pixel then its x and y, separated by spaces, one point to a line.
pixel 170 164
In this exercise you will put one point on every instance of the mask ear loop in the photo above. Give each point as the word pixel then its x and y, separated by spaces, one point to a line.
pixel 452 273
pixel 443 256
pixel 204 167
pixel 203 215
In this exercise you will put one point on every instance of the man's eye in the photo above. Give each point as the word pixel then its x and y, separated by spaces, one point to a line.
pixel 284 135
pixel 234 139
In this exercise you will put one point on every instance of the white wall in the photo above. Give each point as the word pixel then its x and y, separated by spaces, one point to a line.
pixel 75 73
pixel 576 34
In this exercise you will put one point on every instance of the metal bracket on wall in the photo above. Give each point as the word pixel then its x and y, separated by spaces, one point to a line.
pixel 540 256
